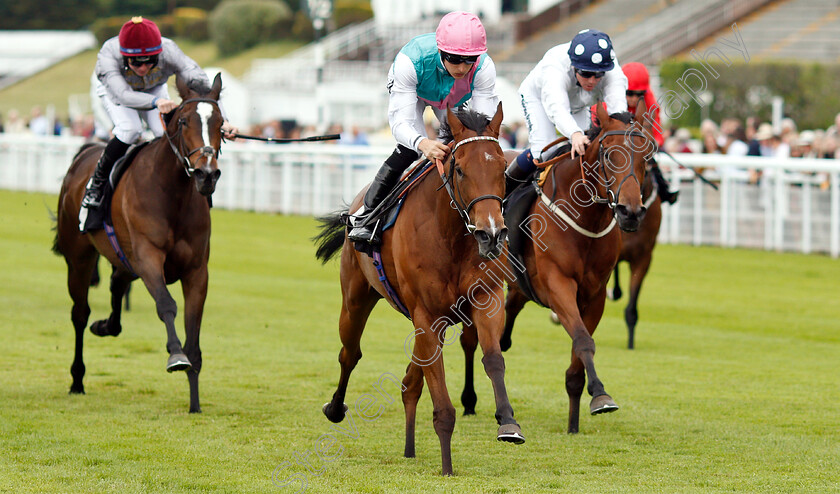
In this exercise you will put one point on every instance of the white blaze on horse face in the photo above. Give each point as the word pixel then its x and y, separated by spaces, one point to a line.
pixel 492 225
pixel 205 110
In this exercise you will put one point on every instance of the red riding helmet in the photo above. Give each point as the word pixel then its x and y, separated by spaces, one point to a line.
pixel 140 37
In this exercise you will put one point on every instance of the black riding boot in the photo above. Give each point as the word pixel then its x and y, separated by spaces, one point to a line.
pixel 93 193
pixel 386 178
pixel 518 171
pixel 664 188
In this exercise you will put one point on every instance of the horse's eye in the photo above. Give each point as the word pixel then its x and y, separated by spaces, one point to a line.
pixel 459 171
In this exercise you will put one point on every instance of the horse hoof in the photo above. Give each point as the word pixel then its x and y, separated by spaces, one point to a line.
pixel 504 344
pixel 178 362
pixel 469 411
pixel 602 404
pixel 510 433
pixel 327 412
pixel 554 318
pixel 77 390
pixel 100 328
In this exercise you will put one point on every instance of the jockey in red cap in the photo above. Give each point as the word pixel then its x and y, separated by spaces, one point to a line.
pixel 130 81
pixel 638 88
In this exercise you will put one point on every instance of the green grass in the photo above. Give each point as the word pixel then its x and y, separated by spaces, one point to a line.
pixel 56 84
pixel 733 386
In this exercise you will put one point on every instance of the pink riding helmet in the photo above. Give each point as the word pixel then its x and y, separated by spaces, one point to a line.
pixel 461 33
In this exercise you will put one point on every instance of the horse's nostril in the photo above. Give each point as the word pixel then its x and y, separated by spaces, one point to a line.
pixel 482 236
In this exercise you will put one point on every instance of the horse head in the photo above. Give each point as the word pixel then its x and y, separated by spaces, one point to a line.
pixel 197 129
pixel 476 174
pixel 620 157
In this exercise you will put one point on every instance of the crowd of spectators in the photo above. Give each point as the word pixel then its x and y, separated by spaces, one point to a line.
pixel 38 123
pixel 753 138
pixel 732 136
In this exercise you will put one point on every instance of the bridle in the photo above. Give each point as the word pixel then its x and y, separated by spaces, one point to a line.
pixel 208 152
pixel 455 192
pixel 612 197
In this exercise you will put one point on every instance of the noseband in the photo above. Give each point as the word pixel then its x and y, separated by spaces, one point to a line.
pixel 612 199
pixel 206 151
pixel 456 202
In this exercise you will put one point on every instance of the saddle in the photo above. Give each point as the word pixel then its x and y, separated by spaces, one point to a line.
pixel 517 206
pixel 385 214
pixel 97 217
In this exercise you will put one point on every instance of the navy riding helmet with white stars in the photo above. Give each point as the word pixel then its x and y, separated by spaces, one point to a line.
pixel 592 50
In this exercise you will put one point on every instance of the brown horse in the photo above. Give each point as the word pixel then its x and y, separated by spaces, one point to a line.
pixel 435 269
pixel 568 261
pixel 161 218
pixel 637 251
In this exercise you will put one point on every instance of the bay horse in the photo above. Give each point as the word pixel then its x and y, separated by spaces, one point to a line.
pixel 568 261
pixel 161 220
pixel 637 251
pixel 435 269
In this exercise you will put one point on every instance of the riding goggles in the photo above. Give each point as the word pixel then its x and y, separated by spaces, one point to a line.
pixel 140 61
pixel 636 93
pixel 587 74
pixel 459 59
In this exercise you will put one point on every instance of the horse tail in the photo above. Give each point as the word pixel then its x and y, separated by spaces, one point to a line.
pixel 331 238
pixel 54 220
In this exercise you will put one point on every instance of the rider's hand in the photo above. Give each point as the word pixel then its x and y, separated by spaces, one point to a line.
pixel 165 105
pixel 578 142
pixel 432 149
pixel 229 131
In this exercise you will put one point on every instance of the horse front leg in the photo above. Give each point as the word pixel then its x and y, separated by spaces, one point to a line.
pixel 638 271
pixel 469 342
pixel 148 264
pixel 428 355
pixel 194 287
pixel 489 321
pixel 514 302
pixel 601 401
pixel 564 304
pixel 120 281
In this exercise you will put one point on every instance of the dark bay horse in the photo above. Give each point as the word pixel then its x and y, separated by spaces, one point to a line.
pixel 637 251
pixel 568 261
pixel 436 268
pixel 161 219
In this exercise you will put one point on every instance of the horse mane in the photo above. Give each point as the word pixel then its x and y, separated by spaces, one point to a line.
pixel 472 119
pixel 199 86
pixel 624 116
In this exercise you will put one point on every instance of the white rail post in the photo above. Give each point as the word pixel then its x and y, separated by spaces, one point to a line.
pixel 835 215
pixel 806 215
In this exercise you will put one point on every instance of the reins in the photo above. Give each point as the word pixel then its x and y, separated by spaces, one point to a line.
pixel 463 212
pixel 283 140
pixel 612 197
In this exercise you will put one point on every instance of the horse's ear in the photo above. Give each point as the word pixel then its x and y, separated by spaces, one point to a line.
pixel 183 89
pixel 602 114
pixel 455 124
pixel 216 90
pixel 496 123
pixel 641 109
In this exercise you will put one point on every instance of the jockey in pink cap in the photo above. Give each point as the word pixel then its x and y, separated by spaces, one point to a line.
pixel 444 69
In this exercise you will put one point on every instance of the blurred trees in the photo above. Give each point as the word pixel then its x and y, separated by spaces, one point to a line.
pixel 811 91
